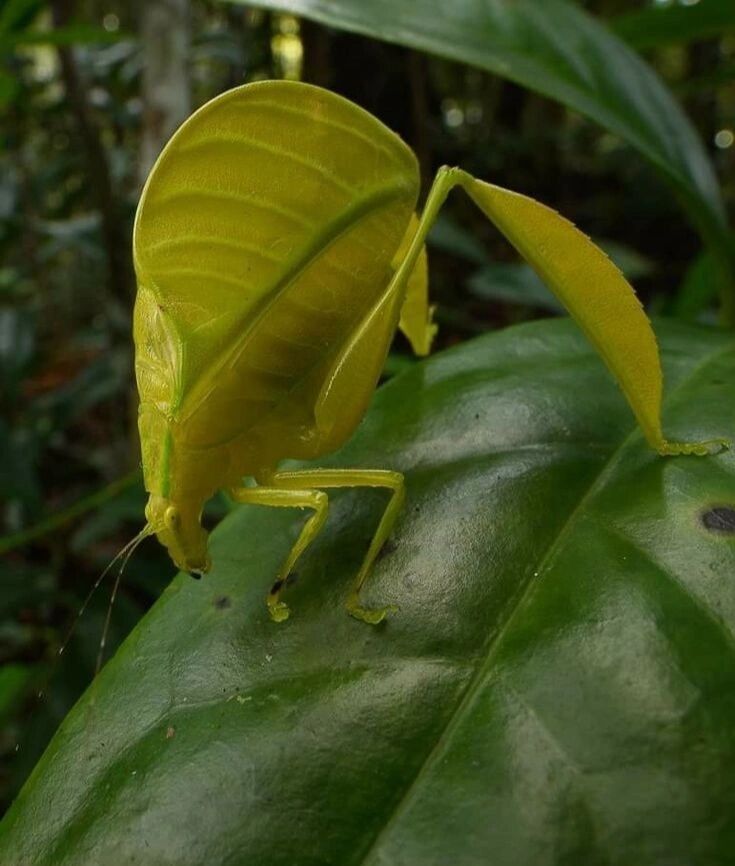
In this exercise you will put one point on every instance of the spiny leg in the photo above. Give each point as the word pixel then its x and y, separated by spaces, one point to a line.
pixel 288 498
pixel 393 481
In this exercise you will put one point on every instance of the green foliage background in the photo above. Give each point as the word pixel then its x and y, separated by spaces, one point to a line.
pixel 69 491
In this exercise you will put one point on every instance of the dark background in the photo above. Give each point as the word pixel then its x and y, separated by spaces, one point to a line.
pixel 83 112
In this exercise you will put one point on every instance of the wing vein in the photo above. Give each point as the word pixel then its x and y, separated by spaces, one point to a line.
pixel 330 122
pixel 352 215
pixel 281 152
pixel 229 195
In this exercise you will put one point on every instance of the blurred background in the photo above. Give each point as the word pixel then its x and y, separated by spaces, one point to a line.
pixel 89 92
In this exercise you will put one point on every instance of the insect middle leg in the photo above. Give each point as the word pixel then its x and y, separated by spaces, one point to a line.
pixel 295 498
pixel 311 479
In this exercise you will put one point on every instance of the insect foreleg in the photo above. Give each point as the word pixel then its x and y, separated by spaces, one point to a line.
pixel 393 481
pixel 294 498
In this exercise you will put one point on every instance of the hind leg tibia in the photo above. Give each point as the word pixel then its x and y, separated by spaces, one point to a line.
pixel 310 479
pixel 287 498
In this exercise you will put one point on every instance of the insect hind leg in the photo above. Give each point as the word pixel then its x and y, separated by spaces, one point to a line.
pixel 393 481
pixel 287 498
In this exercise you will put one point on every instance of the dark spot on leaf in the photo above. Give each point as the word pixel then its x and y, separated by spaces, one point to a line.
pixel 222 602
pixel 477 416
pixel 720 519
pixel 292 578
pixel 276 586
pixel 388 547
pixel 195 575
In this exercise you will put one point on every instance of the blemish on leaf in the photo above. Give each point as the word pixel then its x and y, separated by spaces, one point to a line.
pixel 170 732
pixel 292 578
pixel 720 519
pixel 388 547
pixel 222 602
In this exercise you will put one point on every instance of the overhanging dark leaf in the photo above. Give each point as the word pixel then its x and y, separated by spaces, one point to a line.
pixel 559 50
pixel 680 22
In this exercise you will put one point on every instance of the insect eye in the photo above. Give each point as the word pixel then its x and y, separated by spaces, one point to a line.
pixel 171 517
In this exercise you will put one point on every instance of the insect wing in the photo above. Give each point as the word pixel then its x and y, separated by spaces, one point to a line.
pixel 264 236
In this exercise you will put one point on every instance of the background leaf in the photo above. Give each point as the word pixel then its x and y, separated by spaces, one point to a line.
pixel 561 662
pixel 556 49
pixel 17 13
pixel 663 25
pixel 73 34
pixel 13 681
pixel 697 289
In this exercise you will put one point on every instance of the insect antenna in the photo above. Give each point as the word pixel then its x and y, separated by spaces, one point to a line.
pixel 125 553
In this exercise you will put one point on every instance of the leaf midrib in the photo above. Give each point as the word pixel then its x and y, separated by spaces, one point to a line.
pixel 516 605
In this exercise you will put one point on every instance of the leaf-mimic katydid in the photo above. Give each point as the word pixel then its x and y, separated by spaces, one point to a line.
pixel 277 250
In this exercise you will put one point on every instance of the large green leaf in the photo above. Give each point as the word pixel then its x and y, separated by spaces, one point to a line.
pixel 559 50
pixel 71 35
pixel 15 14
pixel 558 686
pixel 679 22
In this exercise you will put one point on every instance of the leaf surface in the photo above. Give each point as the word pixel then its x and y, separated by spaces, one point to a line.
pixel 558 686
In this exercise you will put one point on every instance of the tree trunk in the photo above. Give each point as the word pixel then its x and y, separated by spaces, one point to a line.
pixel 114 235
pixel 166 92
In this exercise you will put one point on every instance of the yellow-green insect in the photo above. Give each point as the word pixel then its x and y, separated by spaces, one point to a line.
pixel 277 251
